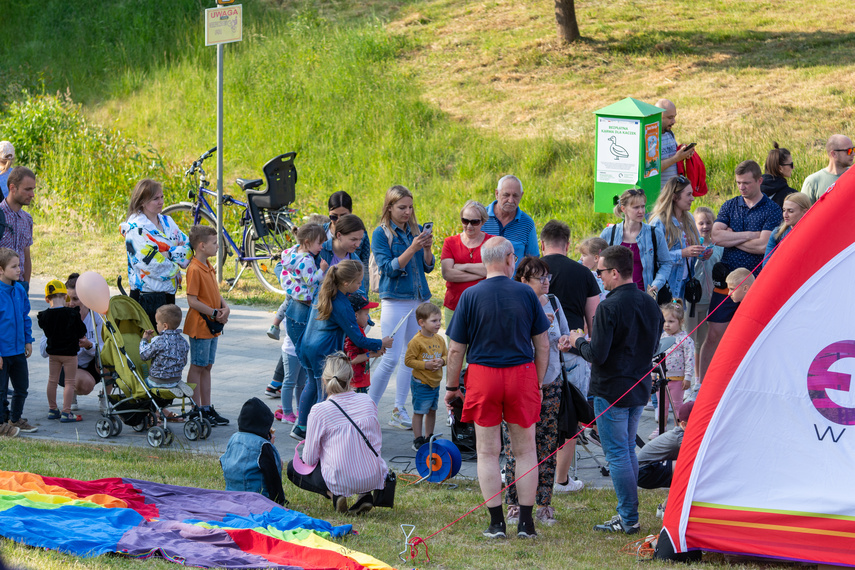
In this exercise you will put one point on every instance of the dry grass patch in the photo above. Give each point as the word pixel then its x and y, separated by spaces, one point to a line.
pixel 729 65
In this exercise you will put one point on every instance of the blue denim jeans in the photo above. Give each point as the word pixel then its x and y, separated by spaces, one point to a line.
pixel 618 428
pixel 293 382
pixel 296 317
pixel 14 371
pixel 314 389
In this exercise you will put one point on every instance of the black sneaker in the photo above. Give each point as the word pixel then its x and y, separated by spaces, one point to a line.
pixel 298 433
pixel 581 438
pixel 526 530
pixel 496 530
pixel 616 524
pixel 418 443
pixel 215 418
pixel 364 504
pixel 595 437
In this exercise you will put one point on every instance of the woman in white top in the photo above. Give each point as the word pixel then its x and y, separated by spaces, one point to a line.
pixel 534 272
pixel 157 248
pixel 344 463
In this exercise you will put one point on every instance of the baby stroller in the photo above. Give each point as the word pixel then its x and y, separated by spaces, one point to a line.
pixel 127 397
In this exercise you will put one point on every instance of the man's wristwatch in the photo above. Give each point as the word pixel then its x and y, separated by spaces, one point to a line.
pixel 215 313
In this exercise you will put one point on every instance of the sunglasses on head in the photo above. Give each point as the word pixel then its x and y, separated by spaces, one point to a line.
pixel 848 151
pixel 467 222
pixel 682 179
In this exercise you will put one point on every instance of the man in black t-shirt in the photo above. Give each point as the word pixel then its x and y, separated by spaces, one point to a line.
pixel 572 282
pixel 577 290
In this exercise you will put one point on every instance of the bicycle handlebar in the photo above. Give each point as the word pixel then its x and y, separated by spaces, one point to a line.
pixel 198 162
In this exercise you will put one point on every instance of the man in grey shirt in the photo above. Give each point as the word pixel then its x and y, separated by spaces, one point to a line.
pixel 840 154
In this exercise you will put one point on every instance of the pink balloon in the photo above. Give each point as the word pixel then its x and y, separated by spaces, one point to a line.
pixel 93 292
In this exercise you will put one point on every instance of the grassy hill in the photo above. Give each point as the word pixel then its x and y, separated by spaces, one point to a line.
pixel 441 96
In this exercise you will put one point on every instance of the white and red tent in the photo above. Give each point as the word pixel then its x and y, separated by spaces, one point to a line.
pixel 767 465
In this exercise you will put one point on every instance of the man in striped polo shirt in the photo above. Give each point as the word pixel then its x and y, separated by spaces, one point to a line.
pixel 506 219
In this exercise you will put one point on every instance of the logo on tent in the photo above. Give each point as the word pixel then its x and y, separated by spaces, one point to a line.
pixel 821 379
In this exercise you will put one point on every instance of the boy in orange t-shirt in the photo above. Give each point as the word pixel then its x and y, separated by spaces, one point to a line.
pixel 207 309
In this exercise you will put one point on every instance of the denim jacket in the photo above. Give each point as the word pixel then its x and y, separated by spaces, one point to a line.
pixel 326 254
pixel 679 270
pixel 645 249
pixel 363 252
pixel 323 337
pixel 398 282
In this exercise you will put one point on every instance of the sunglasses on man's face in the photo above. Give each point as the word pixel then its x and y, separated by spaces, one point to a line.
pixel 600 271
pixel 466 222
pixel 848 151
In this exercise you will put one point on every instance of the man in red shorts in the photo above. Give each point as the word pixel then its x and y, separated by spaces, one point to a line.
pixel 503 325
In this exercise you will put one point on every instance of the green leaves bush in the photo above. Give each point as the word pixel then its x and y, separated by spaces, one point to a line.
pixel 85 170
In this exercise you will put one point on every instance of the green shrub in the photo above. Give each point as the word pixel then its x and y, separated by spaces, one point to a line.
pixel 84 170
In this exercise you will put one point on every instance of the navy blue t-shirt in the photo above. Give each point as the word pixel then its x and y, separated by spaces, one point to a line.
pixel 497 319
pixel 735 213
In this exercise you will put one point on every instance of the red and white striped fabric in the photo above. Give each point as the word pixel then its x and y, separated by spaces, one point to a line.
pixel 768 456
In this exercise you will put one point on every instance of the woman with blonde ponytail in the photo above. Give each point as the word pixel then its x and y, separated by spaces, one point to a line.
pixel 330 320
pixel 343 463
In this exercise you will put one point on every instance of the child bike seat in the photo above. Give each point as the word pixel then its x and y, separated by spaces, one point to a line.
pixel 281 176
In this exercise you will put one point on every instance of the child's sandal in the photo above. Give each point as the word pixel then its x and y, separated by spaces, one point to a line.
pixel 53 414
pixel 68 417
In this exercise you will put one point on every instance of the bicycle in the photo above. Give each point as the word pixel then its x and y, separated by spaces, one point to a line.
pixel 267 228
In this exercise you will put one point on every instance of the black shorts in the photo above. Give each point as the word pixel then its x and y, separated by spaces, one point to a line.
pixel 723 314
pixel 655 475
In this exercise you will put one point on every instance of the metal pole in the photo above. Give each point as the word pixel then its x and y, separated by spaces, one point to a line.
pixel 220 257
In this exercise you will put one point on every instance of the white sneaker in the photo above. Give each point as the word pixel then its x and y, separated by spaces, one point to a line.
pixel 400 419
pixel 572 486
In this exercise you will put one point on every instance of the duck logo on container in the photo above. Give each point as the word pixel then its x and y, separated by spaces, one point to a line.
pixel 821 380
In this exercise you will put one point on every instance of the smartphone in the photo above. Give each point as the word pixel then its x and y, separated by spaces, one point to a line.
pixel 428 227
pixel 690 146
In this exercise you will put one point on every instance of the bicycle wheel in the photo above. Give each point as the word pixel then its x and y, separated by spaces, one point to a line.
pixel 182 214
pixel 281 234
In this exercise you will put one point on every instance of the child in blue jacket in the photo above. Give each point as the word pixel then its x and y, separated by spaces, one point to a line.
pixel 16 340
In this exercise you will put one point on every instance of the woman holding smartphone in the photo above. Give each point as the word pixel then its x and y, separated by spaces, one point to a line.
pixel 402 250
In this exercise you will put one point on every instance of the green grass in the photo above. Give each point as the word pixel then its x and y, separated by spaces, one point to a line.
pixel 570 544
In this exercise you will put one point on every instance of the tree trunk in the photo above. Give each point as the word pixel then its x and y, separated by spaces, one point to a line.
pixel 565 17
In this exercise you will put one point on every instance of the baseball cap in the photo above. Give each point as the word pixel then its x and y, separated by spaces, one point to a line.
pixel 359 301
pixel 685 410
pixel 55 287
pixel 7 150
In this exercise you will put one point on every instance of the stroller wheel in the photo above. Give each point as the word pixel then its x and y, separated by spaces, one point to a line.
pixel 104 428
pixel 156 436
pixel 192 430
pixel 116 425
pixel 206 429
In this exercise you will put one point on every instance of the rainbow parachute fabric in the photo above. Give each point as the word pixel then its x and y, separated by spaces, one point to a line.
pixel 189 526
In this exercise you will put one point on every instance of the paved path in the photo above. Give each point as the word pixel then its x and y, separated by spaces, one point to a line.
pixel 244 365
